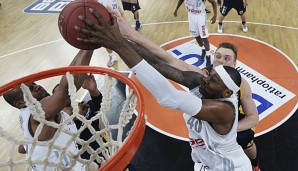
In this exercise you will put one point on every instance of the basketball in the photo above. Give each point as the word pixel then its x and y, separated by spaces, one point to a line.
pixel 68 19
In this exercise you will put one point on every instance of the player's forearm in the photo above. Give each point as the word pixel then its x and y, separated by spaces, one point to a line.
pixel 163 55
pixel 187 78
pixel 82 58
pixel 95 102
pixel 94 93
pixel 129 56
pixel 152 47
pixel 179 4
pixel 214 7
pixel 164 92
pixel 247 123
pixel 158 52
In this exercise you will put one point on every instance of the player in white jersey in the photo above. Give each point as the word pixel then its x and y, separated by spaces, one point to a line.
pixel 40 152
pixel 52 106
pixel 212 121
pixel 209 148
pixel 113 4
pixel 198 26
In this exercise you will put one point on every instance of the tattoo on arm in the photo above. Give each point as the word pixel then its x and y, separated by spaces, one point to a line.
pixel 189 79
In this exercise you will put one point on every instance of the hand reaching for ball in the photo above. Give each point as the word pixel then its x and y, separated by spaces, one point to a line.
pixel 68 19
pixel 104 34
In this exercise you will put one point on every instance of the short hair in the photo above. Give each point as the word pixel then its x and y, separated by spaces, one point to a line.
pixel 13 96
pixel 234 74
pixel 228 45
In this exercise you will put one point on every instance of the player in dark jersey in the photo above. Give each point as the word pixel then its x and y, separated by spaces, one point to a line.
pixel 226 6
pixel 133 6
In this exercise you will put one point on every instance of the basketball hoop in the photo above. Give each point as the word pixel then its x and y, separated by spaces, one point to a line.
pixel 125 153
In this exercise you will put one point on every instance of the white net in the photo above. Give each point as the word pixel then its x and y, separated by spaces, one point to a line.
pixel 108 139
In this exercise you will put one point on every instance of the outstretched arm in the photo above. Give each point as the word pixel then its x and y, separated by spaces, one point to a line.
pixel 165 93
pixel 52 105
pixel 128 32
pixel 187 78
pixel 96 97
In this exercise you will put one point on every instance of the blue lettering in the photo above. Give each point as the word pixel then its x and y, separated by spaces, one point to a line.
pixel 264 104
pixel 196 56
pixel 189 56
pixel 177 52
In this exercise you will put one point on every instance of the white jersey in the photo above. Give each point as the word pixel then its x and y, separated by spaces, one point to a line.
pixel 110 3
pixel 212 151
pixel 62 140
pixel 195 6
pixel 197 18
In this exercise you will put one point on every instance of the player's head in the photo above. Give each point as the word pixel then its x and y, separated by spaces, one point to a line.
pixel 225 54
pixel 222 82
pixel 15 97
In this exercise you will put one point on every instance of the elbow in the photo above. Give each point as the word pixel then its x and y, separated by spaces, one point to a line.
pixel 167 103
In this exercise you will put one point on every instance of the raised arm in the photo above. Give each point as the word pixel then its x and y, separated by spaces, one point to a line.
pixel 189 79
pixel 96 97
pixel 52 105
pixel 129 33
pixel 165 93
pixel 249 108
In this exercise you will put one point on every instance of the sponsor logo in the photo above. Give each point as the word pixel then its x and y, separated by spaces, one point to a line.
pixel 56 6
pixel 47 6
pixel 271 74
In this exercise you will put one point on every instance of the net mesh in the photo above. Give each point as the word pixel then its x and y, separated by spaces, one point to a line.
pixel 108 146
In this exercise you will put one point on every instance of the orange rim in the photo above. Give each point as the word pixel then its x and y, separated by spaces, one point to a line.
pixel 126 152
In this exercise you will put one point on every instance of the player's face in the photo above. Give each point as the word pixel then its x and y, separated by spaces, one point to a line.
pixel 224 56
pixel 38 91
pixel 212 86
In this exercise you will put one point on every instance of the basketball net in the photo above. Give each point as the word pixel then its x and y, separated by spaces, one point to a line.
pixel 101 155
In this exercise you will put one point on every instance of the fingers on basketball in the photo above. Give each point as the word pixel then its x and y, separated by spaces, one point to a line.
pixel 68 19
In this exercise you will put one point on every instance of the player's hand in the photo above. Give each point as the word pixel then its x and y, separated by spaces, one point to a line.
pixel 175 13
pixel 104 34
pixel 213 19
pixel 89 83
pixel 124 26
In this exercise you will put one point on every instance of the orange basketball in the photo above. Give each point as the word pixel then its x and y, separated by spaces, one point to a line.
pixel 68 19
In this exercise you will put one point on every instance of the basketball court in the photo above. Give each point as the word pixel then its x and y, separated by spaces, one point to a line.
pixel 30 42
